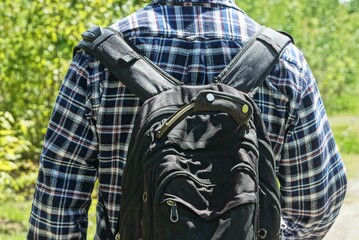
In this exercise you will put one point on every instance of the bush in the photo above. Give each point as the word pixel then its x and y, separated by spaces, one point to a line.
pixel 17 171
pixel 38 37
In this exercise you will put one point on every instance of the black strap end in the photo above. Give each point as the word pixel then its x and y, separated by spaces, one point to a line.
pixel 92 34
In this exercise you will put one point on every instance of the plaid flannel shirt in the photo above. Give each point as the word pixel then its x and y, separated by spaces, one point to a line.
pixel 92 120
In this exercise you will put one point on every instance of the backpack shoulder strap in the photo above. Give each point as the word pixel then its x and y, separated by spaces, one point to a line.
pixel 253 63
pixel 139 74
pixel 245 72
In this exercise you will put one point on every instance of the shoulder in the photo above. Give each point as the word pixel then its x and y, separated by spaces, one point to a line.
pixel 84 63
pixel 141 21
pixel 291 76
pixel 183 21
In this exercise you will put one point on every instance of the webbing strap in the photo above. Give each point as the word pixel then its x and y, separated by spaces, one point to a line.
pixel 253 63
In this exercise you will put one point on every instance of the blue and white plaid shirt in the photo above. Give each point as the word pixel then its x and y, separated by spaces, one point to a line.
pixel 92 120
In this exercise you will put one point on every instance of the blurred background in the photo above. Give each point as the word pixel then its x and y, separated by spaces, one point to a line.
pixel 36 42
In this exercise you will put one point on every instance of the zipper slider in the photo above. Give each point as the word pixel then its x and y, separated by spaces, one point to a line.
pixel 173 212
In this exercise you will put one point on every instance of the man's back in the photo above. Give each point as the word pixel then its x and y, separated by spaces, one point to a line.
pixel 192 41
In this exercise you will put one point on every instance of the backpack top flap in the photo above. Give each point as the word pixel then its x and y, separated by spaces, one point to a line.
pixel 245 72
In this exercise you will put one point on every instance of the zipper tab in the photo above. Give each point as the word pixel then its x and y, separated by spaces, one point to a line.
pixel 118 236
pixel 173 213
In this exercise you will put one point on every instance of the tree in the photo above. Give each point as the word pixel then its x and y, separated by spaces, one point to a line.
pixel 327 32
pixel 38 37
pixel 35 51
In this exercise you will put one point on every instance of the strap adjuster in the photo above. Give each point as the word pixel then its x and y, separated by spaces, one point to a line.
pixel 128 58
pixel 91 34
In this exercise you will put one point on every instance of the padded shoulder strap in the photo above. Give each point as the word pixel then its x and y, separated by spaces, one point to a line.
pixel 139 74
pixel 253 63
pixel 245 72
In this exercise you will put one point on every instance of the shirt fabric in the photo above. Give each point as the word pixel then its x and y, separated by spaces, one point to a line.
pixel 92 120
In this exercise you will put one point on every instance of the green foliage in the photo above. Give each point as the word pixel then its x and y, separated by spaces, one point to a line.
pixel 346 133
pixel 17 172
pixel 328 34
pixel 353 5
pixel 36 48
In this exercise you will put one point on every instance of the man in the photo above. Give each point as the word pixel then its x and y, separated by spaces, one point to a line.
pixel 192 40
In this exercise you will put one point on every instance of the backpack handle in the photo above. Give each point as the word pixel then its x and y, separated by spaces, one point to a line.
pixel 210 101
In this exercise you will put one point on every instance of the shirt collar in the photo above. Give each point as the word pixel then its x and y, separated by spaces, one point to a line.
pixel 228 3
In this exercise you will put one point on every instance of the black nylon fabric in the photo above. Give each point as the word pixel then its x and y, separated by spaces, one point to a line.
pixel 208 165
pixel 212 174
pixel 252 65
pixel 143 78
pixel 245 72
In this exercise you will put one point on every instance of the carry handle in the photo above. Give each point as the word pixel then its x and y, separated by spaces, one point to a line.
pixel 210 101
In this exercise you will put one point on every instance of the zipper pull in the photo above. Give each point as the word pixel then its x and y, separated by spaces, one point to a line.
pixel 118 236
pixel 173 212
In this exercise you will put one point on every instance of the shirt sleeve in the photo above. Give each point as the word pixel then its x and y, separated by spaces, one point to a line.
pixel 68 162
pixel 311 172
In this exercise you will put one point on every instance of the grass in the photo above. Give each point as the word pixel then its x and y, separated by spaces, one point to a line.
pixel 346 132
pixel 14 218
pixel 351 162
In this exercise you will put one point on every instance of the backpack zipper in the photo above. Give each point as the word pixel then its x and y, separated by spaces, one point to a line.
pixel 172 175
pixel 173 212
pixel 167 126
pixel 149 120
pixel 173 215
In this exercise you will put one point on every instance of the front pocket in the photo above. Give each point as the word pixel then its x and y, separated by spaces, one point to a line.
pixel 176 221
pixel 190 208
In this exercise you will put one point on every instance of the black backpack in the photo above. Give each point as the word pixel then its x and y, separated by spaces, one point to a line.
pixel 200 165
